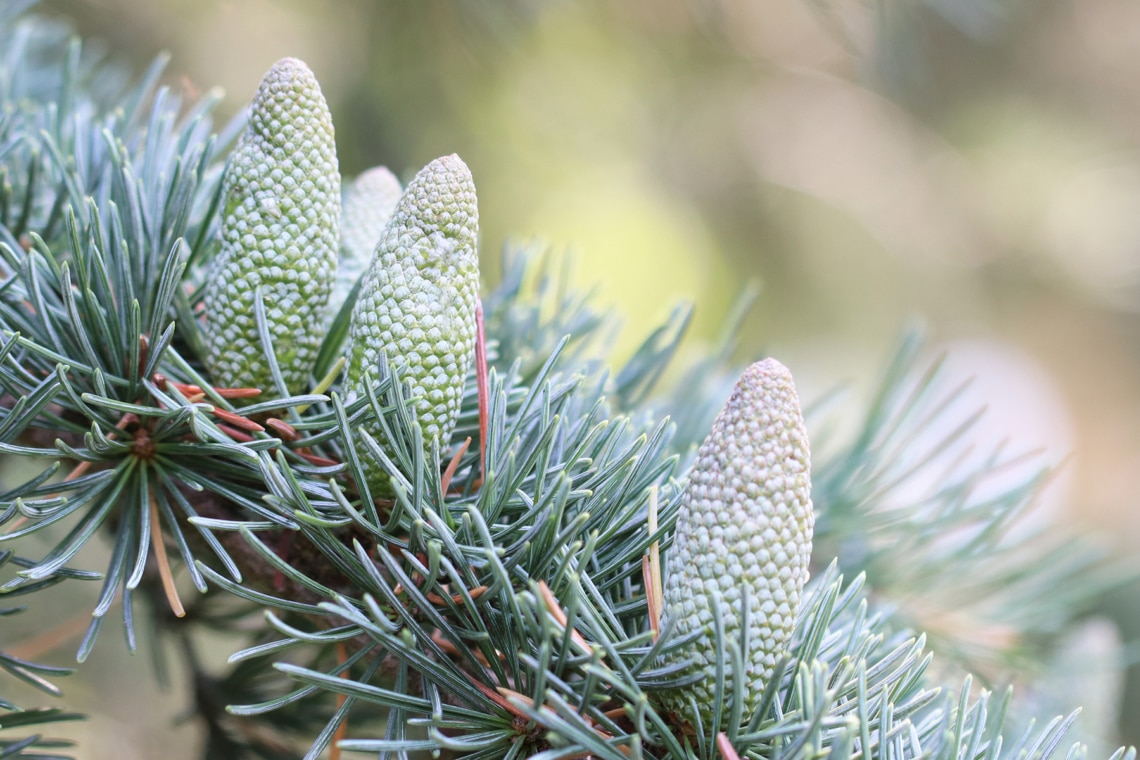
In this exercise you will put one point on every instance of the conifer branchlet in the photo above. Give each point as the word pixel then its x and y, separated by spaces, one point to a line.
pixel 514 610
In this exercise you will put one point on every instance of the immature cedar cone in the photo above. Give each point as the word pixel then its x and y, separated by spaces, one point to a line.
pixel 366 207
pixel 745 525
pixel 279 234
pixel 417 301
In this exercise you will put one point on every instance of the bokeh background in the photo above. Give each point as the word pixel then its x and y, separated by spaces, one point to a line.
pixel 970 164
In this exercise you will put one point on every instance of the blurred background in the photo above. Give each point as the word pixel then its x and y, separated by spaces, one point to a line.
pixel 970 164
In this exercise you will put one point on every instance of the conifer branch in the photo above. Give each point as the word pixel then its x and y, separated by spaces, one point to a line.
pixel 462 543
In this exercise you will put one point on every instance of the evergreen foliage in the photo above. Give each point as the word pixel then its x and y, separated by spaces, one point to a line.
pixel 494 602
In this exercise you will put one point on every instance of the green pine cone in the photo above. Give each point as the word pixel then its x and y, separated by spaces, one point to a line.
pixel 279 234
pixel 367 206
pixel 417 302
pixel 745 524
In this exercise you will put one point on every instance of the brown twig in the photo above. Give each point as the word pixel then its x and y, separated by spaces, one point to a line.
pixel 498 699
pixel 450 648
pixel 725 746
pixel 237 421
pixel 162 381
pixel 238 435
pixel 560 616
pixel 163 562
pixel 318 461
pixel 474 593
pixel 234 393
pixel 284 430
pixel 452 466
pixel 651 571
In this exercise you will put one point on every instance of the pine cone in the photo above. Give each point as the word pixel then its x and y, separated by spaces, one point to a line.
pixel 367 206
pixel 745 525
pixel 417 302
pixel 279 234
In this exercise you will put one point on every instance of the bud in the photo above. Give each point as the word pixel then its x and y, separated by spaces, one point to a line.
pixel 744 533
pixel 366 207
pixel 417 302
pixel 279 234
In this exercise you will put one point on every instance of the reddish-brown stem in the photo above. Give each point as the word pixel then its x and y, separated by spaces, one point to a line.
pixel 238 421
pixel 725 746
pixel 318 461
pixel 498 699
pixel 237 435
pixel 651 601
pixel 651 571
pixel 163 561
pixel 144 353
pixel 474 593
pixel 556 610
pixel 284 430
pixel 453 650
pixel 452 466
pixel 162 381
pixel 238 392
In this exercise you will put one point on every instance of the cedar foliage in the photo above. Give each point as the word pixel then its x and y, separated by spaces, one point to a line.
pixel 496 608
